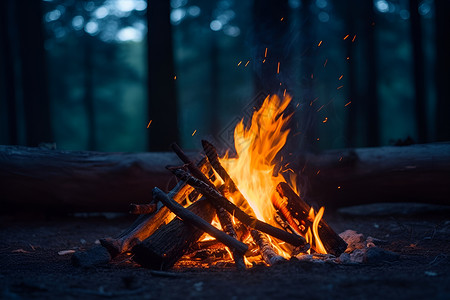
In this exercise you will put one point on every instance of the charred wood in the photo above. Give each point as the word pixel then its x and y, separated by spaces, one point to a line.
pixel 222 214
pixel 267 252
pixel 297 209
pixel 170 242
pixel 248 220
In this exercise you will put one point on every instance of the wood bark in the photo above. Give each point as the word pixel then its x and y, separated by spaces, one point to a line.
pixel 298 209
pixel 168 244
pixel 268 254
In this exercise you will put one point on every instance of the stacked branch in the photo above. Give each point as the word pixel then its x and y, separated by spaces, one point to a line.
pixel 296 212
pixel 267 252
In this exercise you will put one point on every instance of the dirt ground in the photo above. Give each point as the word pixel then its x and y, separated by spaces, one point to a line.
pixel 31 268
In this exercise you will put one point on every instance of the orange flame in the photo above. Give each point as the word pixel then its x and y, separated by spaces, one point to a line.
pixel 257 146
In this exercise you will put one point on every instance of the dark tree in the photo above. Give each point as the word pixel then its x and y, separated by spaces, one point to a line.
pixel 442 79
pixel 419 71
pixel 7 76
pixel 34 88
pixel 350 14
pixel 162 104
pixel 369 99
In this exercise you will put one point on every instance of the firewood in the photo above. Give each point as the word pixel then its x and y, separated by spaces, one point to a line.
pixel 222 214
pixel 193 219
pixel 142 209
pixel 145 225
pixel 170 242
pixel 267 252
pixel 296 208
pixel 141 228
pixel 213 195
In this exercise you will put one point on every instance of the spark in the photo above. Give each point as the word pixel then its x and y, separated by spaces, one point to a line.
pixel 340 158
pixel 278 68
pixel 348 103
pixel 348 57
pixel 320 43
pixel 149 123
pixel 175 77
pixel 264 60
pixel 318 172
pixel 320 108
pixel 346 37
pixel 194 132
pixel 340 77
pixel 239 63
pixel 247 63
pixel 282 19
pixel 284 93
pixel 265 53
pixel 339 187
pixel 340 87
pixel 311 103
pixel 325 63
pixel 324 121
pixel 354 38
pixel 312 75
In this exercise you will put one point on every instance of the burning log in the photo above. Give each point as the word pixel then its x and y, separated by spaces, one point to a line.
pixel 192 218
pixel 250 221
pixel 145 225
pixel 141 228
pixel 170 242
pixel 142 209
pixel 267 252
pixel 222 214
pixel 292 207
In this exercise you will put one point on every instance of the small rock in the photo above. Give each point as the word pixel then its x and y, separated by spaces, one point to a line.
pixel 377 255
pixel 353 239
pixel 357 256
pixel 344 258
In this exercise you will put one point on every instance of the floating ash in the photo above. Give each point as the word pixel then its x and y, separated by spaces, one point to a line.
pixel 243 210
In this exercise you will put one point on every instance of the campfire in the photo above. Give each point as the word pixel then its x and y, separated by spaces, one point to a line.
pixel 243 208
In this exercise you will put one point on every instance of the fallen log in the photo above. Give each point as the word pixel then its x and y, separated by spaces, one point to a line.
pixel 170 242
pixel 296 208
pixel 40 179
pixel 37 179
pixel 346 177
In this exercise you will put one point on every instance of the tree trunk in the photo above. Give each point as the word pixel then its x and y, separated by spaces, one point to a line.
pixel 33 72
pixel 442 77
pixel 162 104
pixel 419 72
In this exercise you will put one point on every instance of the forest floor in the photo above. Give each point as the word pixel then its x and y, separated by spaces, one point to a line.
pixel 32 268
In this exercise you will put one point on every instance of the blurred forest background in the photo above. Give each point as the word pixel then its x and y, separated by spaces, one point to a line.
pixel 91 75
